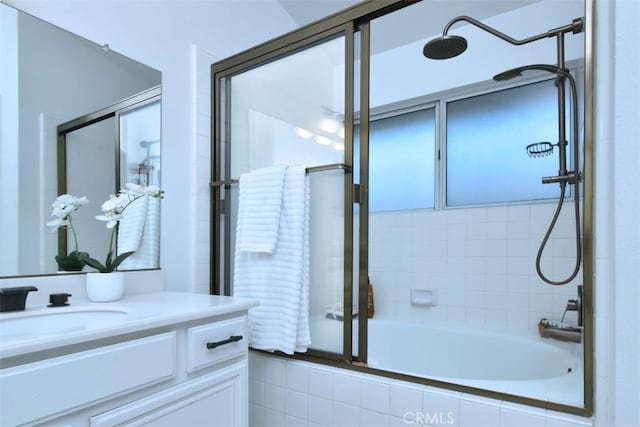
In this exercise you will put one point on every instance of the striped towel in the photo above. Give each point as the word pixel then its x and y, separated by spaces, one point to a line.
pixel 259 208
pixel 139 231
pixel 280 280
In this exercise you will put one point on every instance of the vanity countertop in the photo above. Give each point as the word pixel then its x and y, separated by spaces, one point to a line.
pixel 43 328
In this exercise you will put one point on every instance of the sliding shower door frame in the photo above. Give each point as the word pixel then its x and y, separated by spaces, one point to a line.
pixel 114 111
pixel 221 166
pixel 356 20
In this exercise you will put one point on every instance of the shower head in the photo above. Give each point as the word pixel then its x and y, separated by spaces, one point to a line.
pixel 540 149
pixel 146 144
pixel 517 72
pixel 508 75
pixel 445 47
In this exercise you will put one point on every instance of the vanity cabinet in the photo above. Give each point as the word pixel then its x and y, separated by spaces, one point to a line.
pixel 216 399
pixel 191 373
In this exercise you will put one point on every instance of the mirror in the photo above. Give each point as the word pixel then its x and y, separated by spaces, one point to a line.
pixel 41 89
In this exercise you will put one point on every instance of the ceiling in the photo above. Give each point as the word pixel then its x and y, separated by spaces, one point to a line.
pixel 417 22
pixel 307 11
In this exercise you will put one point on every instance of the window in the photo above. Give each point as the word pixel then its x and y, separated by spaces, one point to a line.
pixel 484 144
pixel 487 135
pixel 401 161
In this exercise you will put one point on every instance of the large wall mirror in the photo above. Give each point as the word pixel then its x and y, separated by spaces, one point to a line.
pixel 46 89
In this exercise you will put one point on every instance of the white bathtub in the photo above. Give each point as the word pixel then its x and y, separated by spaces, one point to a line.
pixel 529 366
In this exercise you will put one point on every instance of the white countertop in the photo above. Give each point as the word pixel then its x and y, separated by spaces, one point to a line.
pixel 43 328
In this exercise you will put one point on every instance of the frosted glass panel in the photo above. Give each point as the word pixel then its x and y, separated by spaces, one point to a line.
pixel 291 111
pixel 487 135
pixel 401 161
pixel 140 164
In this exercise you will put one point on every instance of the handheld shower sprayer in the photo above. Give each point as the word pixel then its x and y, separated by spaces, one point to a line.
pixel 564 176
pixel 448 46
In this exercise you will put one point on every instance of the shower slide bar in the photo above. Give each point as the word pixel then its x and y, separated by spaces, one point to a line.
pixel 311 169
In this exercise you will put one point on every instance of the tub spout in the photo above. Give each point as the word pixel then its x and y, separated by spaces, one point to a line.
pixel 563 331
pixel 560 331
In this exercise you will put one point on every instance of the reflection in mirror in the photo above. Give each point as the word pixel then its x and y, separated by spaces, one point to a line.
pixel 139 231
pixel 41 89
pixel 89 153
pixel 122 143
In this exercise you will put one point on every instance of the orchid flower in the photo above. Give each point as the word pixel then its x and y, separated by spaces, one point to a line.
pixel 63 206
pixel 112 213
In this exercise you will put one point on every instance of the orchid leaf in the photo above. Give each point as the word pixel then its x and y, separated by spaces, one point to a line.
pixel 116 262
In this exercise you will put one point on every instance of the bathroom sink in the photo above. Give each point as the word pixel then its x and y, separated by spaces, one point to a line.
pixel 58 320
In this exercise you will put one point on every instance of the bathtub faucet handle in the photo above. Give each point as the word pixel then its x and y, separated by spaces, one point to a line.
pixel 572 305
pixel 575 305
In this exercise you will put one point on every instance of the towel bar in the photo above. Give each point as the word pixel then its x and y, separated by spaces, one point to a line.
pixel 311 169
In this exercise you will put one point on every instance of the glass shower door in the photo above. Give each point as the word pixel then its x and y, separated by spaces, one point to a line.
pixel 292 111
pixel 139 231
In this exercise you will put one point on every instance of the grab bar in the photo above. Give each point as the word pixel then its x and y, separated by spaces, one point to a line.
pixel 311 169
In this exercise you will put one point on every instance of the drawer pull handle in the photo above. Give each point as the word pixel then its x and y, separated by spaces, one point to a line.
pixel 232 338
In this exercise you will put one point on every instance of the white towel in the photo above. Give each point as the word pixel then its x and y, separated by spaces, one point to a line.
pixel 259 209
pixel 139 231
pixel 280 281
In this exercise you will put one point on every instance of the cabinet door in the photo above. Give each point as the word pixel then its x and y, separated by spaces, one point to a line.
pixel 216 399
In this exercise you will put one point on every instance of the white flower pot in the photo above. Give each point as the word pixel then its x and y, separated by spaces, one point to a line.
pixel 105 287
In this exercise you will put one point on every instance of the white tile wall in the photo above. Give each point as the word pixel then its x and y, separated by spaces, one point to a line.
pixel 200 72
pixel 480 260
pixel 285 392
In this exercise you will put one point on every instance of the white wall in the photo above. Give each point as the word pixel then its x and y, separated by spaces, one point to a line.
pixel 420 76
pixel 481 262
pixel 9 137
pixel 617 234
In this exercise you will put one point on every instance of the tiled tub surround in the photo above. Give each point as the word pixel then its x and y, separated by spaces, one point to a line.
pixel 285 392
pixel 480 260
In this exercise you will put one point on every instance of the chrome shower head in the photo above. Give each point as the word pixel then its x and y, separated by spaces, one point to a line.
pixel 445 47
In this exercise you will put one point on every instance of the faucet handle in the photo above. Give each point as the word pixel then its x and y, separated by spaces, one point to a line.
pixel 572 305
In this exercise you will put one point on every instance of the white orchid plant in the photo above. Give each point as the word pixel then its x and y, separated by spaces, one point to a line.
pixel 112 213
pixel 63 207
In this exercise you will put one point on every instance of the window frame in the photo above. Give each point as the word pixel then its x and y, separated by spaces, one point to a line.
pixel 439 102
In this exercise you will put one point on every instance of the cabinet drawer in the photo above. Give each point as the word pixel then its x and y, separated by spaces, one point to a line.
pixel 55 386
pixel 218 398
pixel 216 342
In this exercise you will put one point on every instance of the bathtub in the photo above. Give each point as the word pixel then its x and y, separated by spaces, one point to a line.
pixel 529 366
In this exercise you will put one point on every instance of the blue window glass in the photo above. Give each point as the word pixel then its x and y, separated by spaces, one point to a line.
pixel 401 161
pixel 487 135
